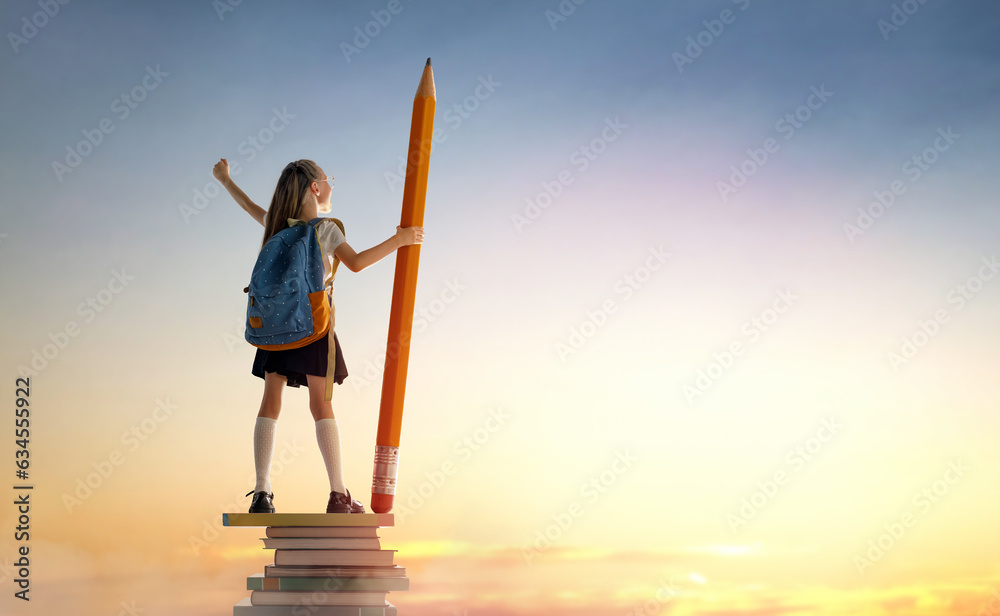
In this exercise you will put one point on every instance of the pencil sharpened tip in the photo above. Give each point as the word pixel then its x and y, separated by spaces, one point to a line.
pixel 428 62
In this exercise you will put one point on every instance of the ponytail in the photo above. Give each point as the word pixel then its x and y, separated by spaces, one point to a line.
pixel 289 195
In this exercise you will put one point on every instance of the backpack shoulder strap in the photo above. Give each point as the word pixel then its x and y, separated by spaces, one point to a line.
pixel 315 222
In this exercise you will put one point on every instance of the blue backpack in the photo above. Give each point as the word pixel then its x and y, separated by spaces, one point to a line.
pixel 288 306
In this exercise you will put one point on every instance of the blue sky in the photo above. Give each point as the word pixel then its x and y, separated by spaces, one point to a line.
pixel 652 184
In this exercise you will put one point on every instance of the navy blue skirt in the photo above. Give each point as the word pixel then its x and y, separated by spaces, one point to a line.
pixel 297 363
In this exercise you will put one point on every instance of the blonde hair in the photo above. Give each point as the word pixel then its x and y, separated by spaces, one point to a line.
pixel 290 195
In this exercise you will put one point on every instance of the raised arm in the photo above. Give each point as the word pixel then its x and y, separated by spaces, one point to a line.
pixel 357 261
pixel 221 173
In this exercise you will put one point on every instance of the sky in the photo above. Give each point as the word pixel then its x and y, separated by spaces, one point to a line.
pixel 706 310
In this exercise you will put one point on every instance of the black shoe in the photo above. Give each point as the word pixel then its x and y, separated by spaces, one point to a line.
pixel 343 503
pixel 262 502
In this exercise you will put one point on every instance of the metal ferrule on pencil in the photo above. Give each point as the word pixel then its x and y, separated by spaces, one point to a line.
pixel 386 464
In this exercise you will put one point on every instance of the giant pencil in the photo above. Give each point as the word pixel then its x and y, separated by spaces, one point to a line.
pixel 404 289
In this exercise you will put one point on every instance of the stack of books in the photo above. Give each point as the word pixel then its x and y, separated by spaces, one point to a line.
pixel 325 564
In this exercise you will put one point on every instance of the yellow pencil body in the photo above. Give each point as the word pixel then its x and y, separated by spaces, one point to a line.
pixel 404 291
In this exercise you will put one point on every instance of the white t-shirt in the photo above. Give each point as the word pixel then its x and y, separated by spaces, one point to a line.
pixel 330 237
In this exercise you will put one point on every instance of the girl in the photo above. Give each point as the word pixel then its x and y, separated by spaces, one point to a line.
pixel 302 193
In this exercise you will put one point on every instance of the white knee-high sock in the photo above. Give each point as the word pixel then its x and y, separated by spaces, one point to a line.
pixel 328 437
pixel 263 448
